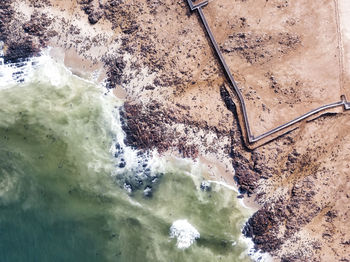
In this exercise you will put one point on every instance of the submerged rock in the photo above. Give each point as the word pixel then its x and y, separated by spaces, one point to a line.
pixel 148 192
pixel 135 173
pixel 122 163
pixel 205 186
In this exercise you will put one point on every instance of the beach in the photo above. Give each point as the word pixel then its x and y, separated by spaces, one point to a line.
pixel 287 58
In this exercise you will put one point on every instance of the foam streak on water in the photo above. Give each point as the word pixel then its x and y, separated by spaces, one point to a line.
pixel 64 171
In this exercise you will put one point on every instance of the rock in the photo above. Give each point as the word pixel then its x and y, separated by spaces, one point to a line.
pixel 21 51
pixel 94 17
pixel 128 188
pixel 205 186
pixel 261 227
pixel 122 163
pixel 147 192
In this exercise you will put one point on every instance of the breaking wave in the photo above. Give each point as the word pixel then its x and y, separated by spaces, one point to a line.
pixel 71 189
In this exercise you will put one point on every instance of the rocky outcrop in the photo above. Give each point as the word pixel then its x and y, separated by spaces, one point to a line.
pixel 38 26
pixel 17 52
pixel 147 128
pixel 261 228
pixel 23 41
pixel 6 12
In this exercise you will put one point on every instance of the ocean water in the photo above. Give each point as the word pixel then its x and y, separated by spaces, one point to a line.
pixel 70 190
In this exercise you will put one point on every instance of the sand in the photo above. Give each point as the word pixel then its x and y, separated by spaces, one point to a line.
pixel 288 57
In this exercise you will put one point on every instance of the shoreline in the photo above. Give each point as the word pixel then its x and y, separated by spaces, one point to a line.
pixel 176 100
pixel 120 205
pixel 208 168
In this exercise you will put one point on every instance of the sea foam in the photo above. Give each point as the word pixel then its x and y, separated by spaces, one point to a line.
pixel 45 69
pixel 184 232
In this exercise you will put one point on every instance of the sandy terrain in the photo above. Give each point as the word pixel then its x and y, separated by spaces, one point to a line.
pixel 287 56
pixel 344 22
pixel 286 59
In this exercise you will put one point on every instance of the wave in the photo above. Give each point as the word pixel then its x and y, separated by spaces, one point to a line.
pixel 127 201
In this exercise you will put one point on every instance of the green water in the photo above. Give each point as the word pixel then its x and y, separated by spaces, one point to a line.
pixel 59 199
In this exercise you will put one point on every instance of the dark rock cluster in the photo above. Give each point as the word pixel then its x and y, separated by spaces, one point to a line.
pixel 142 41
pixel 38 26
pixel 27 41
pixel 95 13
pixel 18 52
pixel 146 128
pixel 257 48
pixel 115 73
pixel 137 175
pixel 247 172
pixel 6 12
pixel 261 228
pixel 290 212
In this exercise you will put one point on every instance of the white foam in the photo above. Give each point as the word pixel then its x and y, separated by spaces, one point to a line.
pixel 223 184
pixel 9 188
pixel 13 73
pixel 57 75
pixel 184 232
pixel 9 71
pixel 255 255
pixel 172 164
pixel 179 228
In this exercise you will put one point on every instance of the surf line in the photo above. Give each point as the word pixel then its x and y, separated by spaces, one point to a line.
pixel 250 138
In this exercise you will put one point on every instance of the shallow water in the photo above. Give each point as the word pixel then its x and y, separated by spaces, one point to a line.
pixel 64 196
